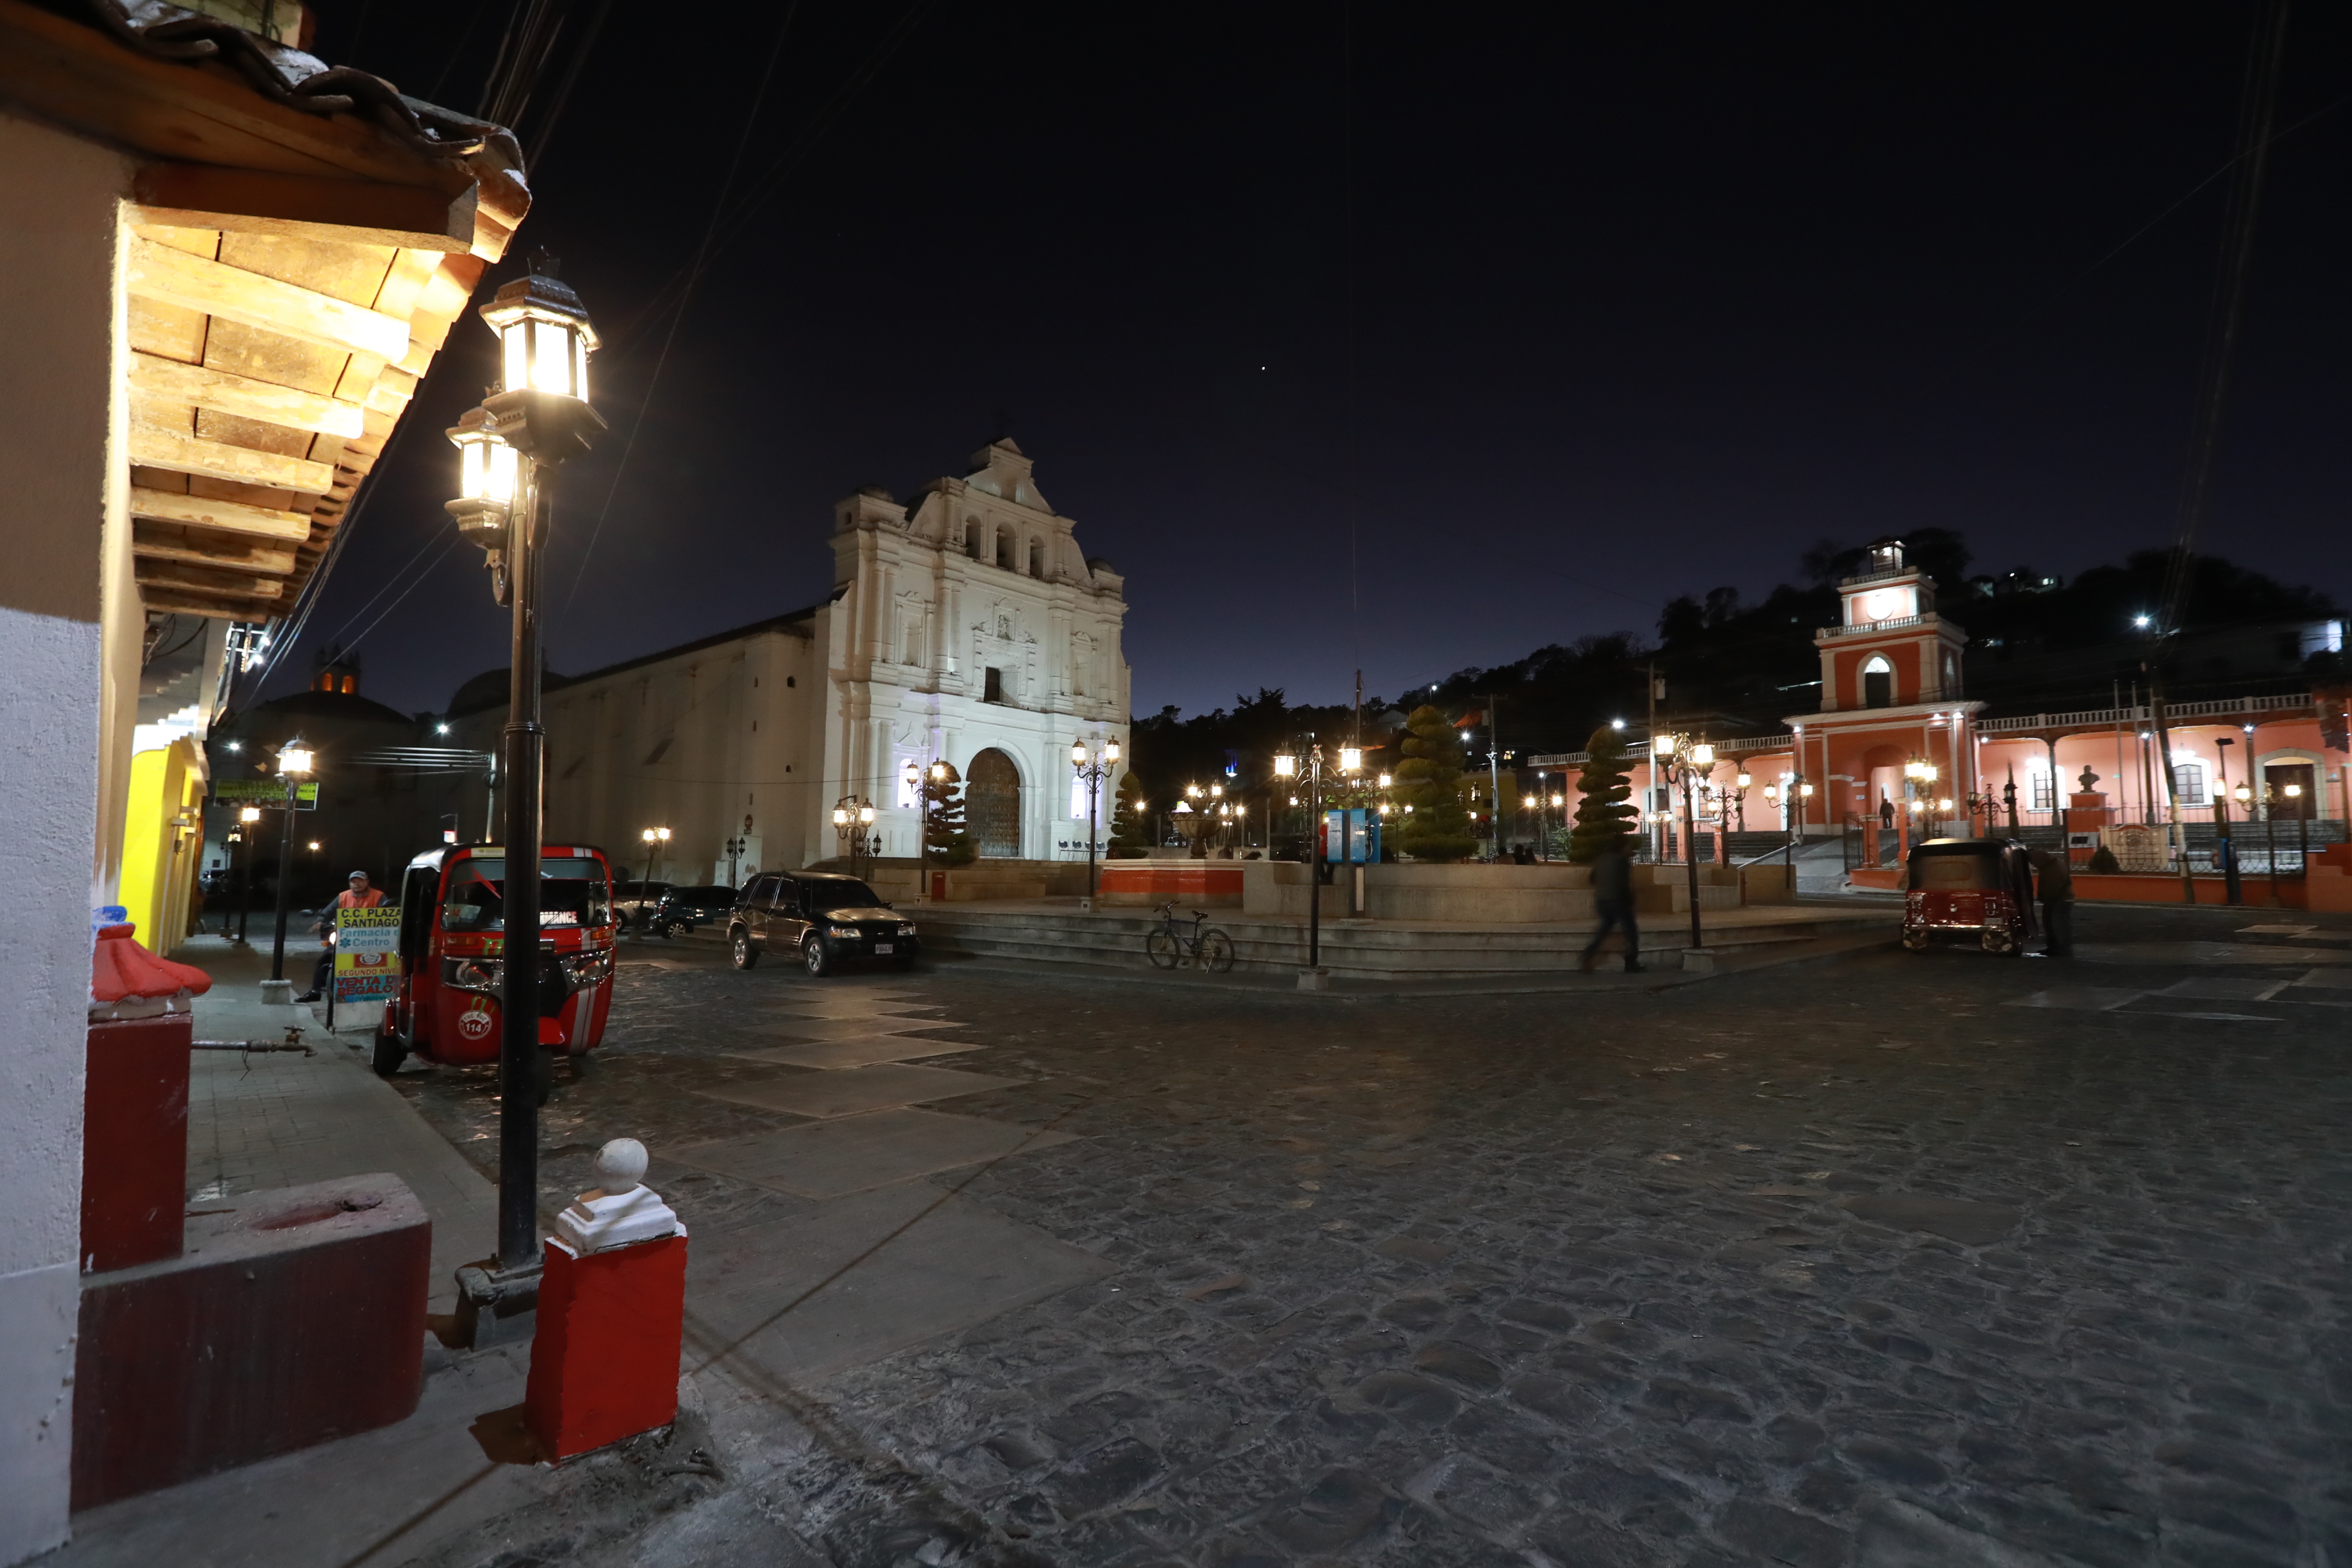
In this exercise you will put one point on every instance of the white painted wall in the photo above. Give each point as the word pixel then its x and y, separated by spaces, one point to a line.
pixel 62 420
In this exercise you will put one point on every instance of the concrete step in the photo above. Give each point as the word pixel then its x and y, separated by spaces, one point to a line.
pixel 1356 949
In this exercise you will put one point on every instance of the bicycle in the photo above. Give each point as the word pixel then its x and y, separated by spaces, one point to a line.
pixel 1208 948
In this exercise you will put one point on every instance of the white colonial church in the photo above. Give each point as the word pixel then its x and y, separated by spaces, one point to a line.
pixel 964 626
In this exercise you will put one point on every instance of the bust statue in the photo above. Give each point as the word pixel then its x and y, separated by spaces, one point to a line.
pixel 2090 780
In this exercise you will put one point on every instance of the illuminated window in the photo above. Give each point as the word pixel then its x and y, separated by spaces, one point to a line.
pixel 2188 782
pixel 1078 799
pixel 909 792
pixel 2045 792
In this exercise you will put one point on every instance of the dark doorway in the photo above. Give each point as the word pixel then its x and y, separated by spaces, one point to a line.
pixel 1878 689
pixel 2304 803
pixel 993 805
pixel 991 688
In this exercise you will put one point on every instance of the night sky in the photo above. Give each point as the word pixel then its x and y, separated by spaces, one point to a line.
pixel 1537 321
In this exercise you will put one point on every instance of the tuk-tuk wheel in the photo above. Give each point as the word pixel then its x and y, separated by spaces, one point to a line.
pixel 1917 941
pixel 391 1050
pixel 1997 939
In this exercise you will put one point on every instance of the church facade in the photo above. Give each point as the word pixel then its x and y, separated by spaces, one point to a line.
pixel 965 625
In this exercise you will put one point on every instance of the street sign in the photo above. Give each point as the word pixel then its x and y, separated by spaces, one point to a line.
pixel 367 955
pixel 264 793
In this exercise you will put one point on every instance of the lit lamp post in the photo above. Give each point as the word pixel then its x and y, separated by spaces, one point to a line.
pixel 923 796
pixel 1286 766
pixel 1092 769
pixel 295 761
pixel 654 838
pixel 2294 792
pixel 249 823
pixel 1687 760
pixel 852 816
pixel 508 449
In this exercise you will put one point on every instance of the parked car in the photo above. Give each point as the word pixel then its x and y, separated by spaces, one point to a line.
pixel 633 903
pixel 824 919
pixel 680 910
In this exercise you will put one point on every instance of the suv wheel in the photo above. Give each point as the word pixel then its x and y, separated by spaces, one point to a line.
pixel 673 930
pixel 814 955
pixel 740 951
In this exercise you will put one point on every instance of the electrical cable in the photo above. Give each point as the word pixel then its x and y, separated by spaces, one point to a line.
pixel 430 541
pixel 406 592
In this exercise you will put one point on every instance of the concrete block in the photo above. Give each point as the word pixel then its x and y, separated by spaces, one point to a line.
pixel 1314 980
pixel 292 1317
pixel 1698 961
pixel 135 1150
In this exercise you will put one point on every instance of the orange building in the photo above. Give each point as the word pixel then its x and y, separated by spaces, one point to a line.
pixel 1897 736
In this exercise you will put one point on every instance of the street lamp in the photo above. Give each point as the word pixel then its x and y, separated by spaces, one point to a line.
pixel 1286 766
pixel 295 761
pixel 1687 760
pixel 508 451
pixel 852 816
pixel 654 838
pixel 1091 768
pixel 248 819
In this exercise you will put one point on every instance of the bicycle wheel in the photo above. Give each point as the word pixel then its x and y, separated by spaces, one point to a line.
pixel 1162 946
pixel 1215 952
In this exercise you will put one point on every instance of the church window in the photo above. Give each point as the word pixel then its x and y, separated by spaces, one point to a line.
pixel 913 650
pixel 1036 558
pixel 906 788
pixel 2045 792
pixel 1077 800
pixel 972 537
pixel 993 684
pixel 2188 782
pixel 1004 545
pixel 1877 683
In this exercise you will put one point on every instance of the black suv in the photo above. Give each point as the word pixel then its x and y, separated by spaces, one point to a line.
pixel 680 910
pixel 826 918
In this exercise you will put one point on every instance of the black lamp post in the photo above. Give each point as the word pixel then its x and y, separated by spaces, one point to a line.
pixel 508 449
pixel 1686 760
pixel 1092 769
pixel 294 764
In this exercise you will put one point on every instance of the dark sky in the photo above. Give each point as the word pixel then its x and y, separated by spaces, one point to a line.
pixel 1552 317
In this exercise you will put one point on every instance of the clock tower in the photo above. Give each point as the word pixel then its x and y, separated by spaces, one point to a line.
pixel 1889 649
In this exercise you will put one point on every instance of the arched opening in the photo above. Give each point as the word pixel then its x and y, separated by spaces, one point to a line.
pixel 1004 547
pixel 1036 558
pixel 1877 682
pixel 993 805
pixel 972 537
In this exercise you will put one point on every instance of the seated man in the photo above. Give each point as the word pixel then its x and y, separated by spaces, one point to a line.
pixel 360 896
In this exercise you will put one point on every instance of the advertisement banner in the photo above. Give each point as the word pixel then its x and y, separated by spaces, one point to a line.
pixel 265 793
pixel 367 957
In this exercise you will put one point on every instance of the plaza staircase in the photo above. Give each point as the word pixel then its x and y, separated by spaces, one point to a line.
pixel 1057 931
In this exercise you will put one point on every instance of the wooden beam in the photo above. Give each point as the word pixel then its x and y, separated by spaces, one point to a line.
pixel 228 516
pixel 155 447
pixel 197 283
pixel 199 580
pixel 227 555
pixel 167 602
pixel 350 212
pixel 167 381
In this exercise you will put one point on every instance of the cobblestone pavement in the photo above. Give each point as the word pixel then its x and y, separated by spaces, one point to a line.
pixel 1853 1262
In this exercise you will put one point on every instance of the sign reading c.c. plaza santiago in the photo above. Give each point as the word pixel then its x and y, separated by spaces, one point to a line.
pixel 367 954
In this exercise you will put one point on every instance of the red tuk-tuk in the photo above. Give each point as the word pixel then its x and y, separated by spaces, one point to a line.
pixel 453 953
pixel 1983 886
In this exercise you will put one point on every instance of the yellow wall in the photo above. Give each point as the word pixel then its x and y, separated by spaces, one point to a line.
pixel 160 857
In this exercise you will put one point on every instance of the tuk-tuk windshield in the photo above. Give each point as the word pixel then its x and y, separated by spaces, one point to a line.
pixel 1962 871
pixel 572 891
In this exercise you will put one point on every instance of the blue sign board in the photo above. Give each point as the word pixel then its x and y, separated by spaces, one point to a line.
pixel 1358 830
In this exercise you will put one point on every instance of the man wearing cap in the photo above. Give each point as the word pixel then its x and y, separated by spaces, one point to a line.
pixel 359 895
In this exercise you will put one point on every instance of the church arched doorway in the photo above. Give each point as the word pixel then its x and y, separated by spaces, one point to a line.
pixel 993 805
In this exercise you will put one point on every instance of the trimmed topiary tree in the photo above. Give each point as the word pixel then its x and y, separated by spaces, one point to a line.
pixel 1429 780
pixel 944 838
pixel 1605 813
pixel 1130 834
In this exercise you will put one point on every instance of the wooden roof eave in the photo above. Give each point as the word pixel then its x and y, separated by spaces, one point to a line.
pixel 241 477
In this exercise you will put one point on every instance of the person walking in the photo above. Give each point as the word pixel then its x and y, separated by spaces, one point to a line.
pixel 1613 897
pixel 2054 886
pixel 358 896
